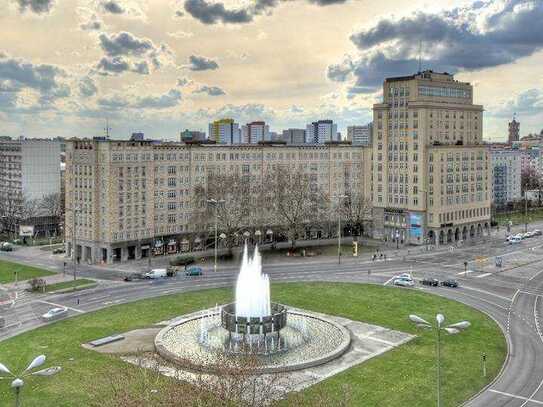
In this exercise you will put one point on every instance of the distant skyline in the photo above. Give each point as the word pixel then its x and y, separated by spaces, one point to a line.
pixel 163 66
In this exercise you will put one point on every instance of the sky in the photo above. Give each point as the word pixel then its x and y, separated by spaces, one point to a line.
pixel 162 66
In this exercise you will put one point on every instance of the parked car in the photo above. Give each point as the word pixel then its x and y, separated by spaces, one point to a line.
pixel 55 313
pixel 538 232
pixel 59 250
pixel 450 283
pixel 431 282
pixel 6 247
pixel 133 277
pixel 194 271
pixel 403 282
pixel 156 273
pixel 406 276
pixel 515 239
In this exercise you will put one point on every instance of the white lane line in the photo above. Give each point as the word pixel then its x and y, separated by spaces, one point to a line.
pixel 465 272
pixel 61 306
pixel 389 280
pixel 516 397
pixel 483 275
pixel 486 292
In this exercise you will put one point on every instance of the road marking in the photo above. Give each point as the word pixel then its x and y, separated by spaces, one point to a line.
pixel 389 280
pixel 61 306
pixel 483 275
pixel 465 272
pixel 516 397
pixel 486 292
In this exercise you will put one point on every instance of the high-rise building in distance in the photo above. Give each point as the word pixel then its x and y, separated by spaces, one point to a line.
pixel 254 132
pixel 514 131
pixel 225 131
pixel 321 132
pixel 293 136
pixel 192 135
pixel 359 135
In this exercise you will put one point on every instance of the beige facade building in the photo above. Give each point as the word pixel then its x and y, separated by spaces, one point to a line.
pixel 431 172
pixel 133 199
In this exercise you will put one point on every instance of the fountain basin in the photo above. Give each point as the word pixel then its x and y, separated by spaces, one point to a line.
pixel 254 325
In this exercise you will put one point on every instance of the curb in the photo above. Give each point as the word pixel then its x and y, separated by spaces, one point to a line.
pixel 70 289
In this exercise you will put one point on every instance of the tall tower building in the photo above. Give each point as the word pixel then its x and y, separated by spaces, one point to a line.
pixel 321 132
pixel 254 132
pixel 360 135
pixel 225 131
pixel 514 131
pixel 431 172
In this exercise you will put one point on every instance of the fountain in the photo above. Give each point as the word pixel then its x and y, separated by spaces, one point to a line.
pixel 282 339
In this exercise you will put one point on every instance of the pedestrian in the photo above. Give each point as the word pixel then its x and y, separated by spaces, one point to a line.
pixel 374 256
pixel 385 256
pixel 77 301
pixel 381 256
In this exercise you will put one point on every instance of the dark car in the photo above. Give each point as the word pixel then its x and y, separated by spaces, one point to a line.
pixel 133 277
pixel 449 283
pixel 431 282
pixel 194 271
pixel 59 250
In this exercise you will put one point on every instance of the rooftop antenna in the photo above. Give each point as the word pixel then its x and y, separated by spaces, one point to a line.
pixel 107 129
pixel 420 56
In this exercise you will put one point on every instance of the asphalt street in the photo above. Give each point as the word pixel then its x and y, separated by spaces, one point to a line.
pixel 510 294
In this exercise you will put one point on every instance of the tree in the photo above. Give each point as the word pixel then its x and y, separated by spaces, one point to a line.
pixel 233 214
pixel 532 180
pixel 293 199
pixel 356 210
pixel 52 205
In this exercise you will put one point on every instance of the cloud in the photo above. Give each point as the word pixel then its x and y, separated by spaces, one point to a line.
pixel 124 43
pixel 108 66
pixel 482 35
pixel 527 103
pixel 87 87
pixel 93 24
pixel 209 12
pixel 199 63
pixel 113 7
pixel 210 90
pixel 19 74
pixel 164 101
pixel 212 13
pixel 181 82
pixel 36 6
pixel 181 34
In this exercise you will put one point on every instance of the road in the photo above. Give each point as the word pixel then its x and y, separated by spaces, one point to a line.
pixel 510 295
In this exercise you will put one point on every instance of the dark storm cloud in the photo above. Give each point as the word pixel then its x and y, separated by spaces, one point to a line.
pixel 113 7
pixel 124 43
pixel 211 12
pixel 36 6
pixel 141 67
pixel 117 65
pixel 21 74
pixel 199 63
pixel 454 40
pixel 210 90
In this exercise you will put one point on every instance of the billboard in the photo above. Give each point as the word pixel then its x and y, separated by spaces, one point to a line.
pixel 26 231
pixel 415 225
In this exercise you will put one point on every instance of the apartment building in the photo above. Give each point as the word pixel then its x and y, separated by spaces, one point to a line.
pixel 431 172
pixel 225 131
pixel 29 170
pixel 506 178
pixel 255 132
pixel 360 135
pixel 129 200
pixel 321 132
pixel 293 136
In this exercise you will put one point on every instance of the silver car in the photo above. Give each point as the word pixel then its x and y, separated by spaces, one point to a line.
pixel 404 282
pixel 55 313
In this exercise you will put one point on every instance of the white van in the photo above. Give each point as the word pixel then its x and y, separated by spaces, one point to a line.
pixel 156 273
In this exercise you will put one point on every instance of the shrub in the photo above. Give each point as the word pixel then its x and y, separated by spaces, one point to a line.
pixel 182 260
pixel 37 284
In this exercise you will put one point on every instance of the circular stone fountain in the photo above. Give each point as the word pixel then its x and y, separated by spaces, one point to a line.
pixel 280 339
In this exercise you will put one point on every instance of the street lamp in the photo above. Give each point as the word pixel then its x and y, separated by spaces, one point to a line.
pixel 450 329
pixel 216 203
pixel 339 198
pixel 18 383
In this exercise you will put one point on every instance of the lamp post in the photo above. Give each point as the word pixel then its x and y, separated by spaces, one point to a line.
pixel 450 329
pixel 339 198
pixel 216 203
pixel 18 383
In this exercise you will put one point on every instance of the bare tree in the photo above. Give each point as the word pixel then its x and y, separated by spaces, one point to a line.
pixel 356 210
pixel 52 205
pixel 294 200
pixel 532 180
pixel 10 213
pixel 233 212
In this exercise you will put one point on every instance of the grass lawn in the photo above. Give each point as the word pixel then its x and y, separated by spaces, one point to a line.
pixel 24 272
pixel 68 284
pixel 402 377
pixel 518 217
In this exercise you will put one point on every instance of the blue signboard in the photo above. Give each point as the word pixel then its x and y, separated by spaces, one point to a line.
pixel 415 222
